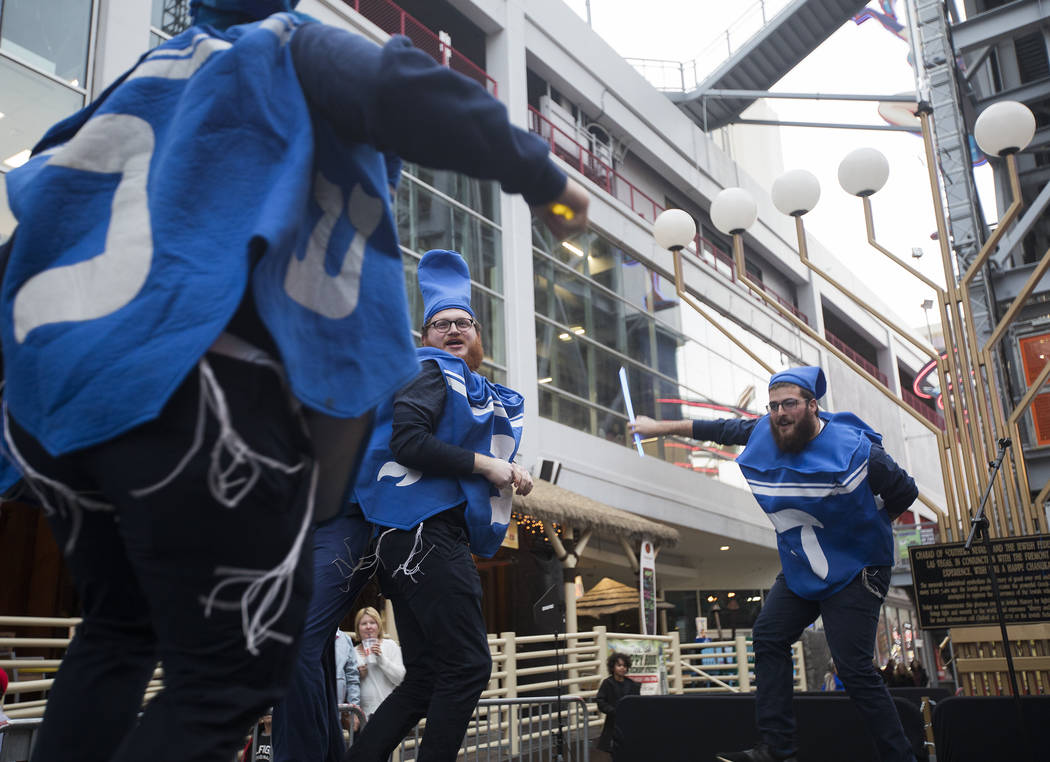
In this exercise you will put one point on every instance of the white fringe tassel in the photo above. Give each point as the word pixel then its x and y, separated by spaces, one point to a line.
pixel 67 503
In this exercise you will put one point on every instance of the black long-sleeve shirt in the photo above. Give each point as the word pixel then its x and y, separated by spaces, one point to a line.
pixel 417 412
pixel 888 480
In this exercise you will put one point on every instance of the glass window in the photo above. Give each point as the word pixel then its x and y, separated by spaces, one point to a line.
pixel 427 221
pixel 480 195
pixel 50 35
pixel 31 104
pixel 597 310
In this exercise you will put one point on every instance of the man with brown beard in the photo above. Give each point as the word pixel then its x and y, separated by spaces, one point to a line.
pixel 437 481
pixel 831 492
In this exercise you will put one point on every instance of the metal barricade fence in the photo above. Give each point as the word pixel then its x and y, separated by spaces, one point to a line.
pixel 519 729
pixel 16 739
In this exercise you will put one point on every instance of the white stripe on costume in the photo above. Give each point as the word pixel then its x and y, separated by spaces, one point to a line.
pixel 818 490
pixel 166 64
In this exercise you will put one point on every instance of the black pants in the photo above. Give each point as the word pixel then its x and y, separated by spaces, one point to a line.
pixel 851 617
pixel 146 565
pixel 443 641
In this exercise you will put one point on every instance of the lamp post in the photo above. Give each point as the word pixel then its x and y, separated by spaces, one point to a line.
pixel 969 438
pixel 1002 129
pixel 674 230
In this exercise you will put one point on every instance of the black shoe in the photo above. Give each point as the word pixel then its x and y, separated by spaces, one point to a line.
pixel 758 754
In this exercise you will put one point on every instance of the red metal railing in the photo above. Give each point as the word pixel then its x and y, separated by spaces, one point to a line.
pixel 567 148
pixel 392 19
pixel 857 358
pixel 922 406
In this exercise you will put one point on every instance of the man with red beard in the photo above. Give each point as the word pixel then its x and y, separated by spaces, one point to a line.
pixel 437 480
pixel 831 492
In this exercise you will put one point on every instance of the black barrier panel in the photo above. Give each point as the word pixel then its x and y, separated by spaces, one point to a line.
pixel 953 587
pixel 695 728
pixel 987 729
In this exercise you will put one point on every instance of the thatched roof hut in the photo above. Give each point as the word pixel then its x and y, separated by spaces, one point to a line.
pixel 607 597
pixel 551 503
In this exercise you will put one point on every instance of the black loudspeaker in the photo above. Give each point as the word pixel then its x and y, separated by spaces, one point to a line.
pixel 695 728
pixel 986 728
pixel 548 470
pixel 549 611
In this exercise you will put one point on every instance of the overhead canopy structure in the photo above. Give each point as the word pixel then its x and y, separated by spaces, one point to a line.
pixel 556 505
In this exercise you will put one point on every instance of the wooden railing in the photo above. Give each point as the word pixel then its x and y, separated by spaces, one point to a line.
pixel 980 661
pixel 529 665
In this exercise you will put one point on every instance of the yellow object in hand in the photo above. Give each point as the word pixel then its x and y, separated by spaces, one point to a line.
pixel 562 211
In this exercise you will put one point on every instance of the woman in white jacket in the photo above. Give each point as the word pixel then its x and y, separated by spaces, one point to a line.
pixel 378 660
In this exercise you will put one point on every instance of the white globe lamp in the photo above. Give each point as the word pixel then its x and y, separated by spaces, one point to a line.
pixel 1003 128
pixel 733 211
pixel 795 192
pixel 674 229
pixel 863 172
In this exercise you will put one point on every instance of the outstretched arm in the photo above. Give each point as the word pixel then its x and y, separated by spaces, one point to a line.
pixel 650 427
pixel 727 431
pixel 399 99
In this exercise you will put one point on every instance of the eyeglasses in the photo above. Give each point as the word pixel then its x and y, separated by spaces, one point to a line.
pixel 788 405
pixel 444 326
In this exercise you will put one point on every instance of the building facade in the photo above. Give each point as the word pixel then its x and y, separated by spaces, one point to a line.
pixel 560 318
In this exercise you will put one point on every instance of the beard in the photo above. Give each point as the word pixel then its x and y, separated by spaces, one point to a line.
pixel 793 439
pixel 475 353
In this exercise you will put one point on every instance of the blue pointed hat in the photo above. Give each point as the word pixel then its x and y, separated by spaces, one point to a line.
pixel 444 280
pixel 809 377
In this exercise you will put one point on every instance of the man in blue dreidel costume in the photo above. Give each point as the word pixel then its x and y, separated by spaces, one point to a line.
pixel 205 260
pixel 832 492
pixel 439 475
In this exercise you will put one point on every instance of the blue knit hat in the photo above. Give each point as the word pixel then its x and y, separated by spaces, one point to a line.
pixel 225 13
pixel 444 280
pixel 808 377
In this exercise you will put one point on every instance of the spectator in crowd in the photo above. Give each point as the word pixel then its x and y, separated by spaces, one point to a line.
pixel 613 688
pixel 378 658
pixel 260 744
pixel 347 679
pixel 919 676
